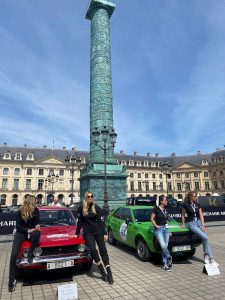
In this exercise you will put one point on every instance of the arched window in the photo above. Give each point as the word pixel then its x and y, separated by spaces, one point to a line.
pixel 39 198
pixel 3 199
pixel 14 199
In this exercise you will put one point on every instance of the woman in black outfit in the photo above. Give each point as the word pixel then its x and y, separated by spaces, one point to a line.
pixel 90 217
pixel 159 219
pixel 27 228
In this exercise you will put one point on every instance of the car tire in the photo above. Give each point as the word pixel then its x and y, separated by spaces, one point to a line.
pixel 189 254
pixel 142 250
pixel 87 265
pixel 19 273
pixel 111 239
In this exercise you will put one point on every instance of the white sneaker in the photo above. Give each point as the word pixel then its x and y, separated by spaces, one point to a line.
pixel 206 259
pixel 212 261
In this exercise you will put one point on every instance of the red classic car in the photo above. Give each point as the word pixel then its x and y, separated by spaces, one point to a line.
pixel 57 248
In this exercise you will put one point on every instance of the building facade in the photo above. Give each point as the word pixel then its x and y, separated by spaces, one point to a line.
pixel 26 170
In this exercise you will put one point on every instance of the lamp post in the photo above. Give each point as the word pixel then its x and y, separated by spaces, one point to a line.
pixel 72 163
pixel 146 185
pixel 45 185
pixel 52 179
pixel 110 137
pixel 165 169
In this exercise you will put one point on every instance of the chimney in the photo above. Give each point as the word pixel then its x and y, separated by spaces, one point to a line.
pixel 173 154
pixel 44 146
pixel 5 144
pixel 149 154
pixel 64 147
pixel 25 145
pixel 218 149
pixel 199 152
pixel 157 155
pixel 135 153
pixel 121 152
pixel 74 148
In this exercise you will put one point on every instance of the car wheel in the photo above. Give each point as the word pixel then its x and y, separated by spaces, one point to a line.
pixel 111 239
pixel 19 273
pixel 87 265
pixel 142 250
pixel 189 254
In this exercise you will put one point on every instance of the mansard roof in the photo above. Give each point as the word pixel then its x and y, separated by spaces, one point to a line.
pixel 43 153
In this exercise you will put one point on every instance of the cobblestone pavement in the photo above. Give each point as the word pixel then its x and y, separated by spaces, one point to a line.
pixel 133 279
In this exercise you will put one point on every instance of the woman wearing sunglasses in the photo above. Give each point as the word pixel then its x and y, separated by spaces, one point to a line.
pixel 91 218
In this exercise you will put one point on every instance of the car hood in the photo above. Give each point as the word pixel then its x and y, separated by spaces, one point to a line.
pixel 173 226
pixel 58 236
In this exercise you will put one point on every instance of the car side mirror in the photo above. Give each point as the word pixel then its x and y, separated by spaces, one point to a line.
pixel 127 220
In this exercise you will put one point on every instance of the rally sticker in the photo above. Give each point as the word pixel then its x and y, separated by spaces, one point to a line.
pixel 55 236
pixel 123 231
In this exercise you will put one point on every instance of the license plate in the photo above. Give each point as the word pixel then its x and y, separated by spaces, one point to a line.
pixel 60 264
pixel 181 248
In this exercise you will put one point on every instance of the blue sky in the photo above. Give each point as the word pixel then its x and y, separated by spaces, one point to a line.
pixel 168 74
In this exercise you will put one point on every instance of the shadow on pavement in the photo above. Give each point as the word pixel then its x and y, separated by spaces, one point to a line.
pixel 48 277
pixel 156 258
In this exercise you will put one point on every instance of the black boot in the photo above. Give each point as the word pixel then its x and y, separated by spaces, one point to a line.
pixel 103 273
pixel 110 277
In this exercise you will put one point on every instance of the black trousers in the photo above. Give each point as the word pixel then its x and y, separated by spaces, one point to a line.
pixel 91 240
pixel 17 242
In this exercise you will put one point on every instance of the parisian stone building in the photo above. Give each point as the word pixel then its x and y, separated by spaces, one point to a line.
pixel 25 170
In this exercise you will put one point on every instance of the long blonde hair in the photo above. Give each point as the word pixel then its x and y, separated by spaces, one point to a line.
pixel 27 209
pixel 85 204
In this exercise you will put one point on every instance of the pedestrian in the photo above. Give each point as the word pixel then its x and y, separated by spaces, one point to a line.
pixel 159 218
pixel 27 228
pixel 196 224
pixel 55 202
pixel 91 218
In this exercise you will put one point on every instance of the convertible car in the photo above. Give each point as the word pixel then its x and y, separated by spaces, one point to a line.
pixel 131 225
pixel 57 248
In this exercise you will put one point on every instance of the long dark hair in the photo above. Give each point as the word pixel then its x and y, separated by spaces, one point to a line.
pixel 161 197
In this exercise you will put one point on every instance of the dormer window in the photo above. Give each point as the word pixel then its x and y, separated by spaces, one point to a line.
pixel 146 163
pixel 131 163
pixel 153 164
pixel 139 163
pixel 18 156
pixel 7 155
pixel 123 162
pixel 204 162
pixel 30 156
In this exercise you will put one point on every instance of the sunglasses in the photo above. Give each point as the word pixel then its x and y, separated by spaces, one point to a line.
pixel 90 196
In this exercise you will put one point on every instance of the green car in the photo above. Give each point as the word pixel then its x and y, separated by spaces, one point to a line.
pixel 131 225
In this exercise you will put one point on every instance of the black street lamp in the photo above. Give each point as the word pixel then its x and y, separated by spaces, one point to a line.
pixel 45 185
pixel 165 169
pixel 72 163
pixel 146 185
pixel 110 137
pixel 52 179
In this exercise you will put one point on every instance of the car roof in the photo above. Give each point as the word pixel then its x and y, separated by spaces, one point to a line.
pixel 53 208
pixel 132 207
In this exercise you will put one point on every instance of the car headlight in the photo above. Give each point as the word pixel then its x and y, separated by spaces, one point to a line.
pixel 81 247
pixel 25 252
pixel 37 251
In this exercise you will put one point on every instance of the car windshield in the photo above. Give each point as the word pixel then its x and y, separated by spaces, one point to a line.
pixel 142 215
pixel 56 218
